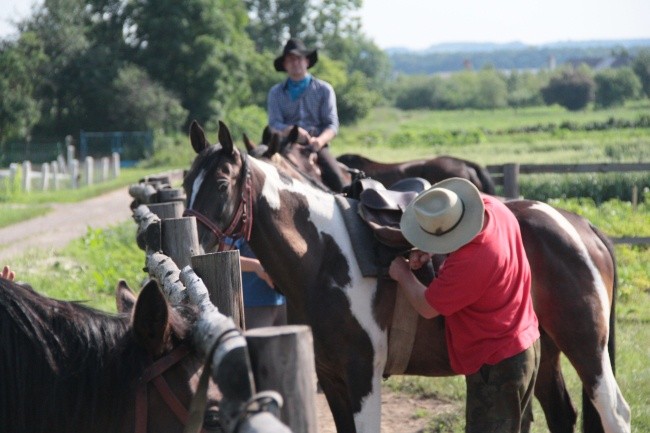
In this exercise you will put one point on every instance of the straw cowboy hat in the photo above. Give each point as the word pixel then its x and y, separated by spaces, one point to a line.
pixel 297 47
pixel 444 217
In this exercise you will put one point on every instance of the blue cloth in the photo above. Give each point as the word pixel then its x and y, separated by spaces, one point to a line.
pixel 314 110
pixel 297 88
pixel 256 292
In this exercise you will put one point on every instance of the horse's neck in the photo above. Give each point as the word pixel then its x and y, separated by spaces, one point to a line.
pixel 291 220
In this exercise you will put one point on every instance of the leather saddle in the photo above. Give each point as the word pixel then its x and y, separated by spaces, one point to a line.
pixel 381 208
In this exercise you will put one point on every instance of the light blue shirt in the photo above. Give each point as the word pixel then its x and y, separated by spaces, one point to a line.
pixel 314 110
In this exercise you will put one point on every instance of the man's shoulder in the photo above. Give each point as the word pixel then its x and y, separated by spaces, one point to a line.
pixel 277 87
pixel 317 82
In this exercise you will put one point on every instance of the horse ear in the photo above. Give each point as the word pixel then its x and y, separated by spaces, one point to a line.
pixel 151 319
pixel 197 137
pixel 273 147
pixel 266 134
pixel 124 297
pixel 293 135
pixel 225 139
pixel 250 146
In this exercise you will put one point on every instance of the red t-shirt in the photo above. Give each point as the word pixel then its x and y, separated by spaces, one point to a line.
pixel 483 290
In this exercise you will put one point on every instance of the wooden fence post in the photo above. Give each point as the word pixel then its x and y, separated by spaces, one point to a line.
pixel 115 158
pixel 27 176
pixel 172 209
pixel 45 176
pixel 221 273
pixel 74 173
pixel 282 359
pixel 89 170
pixel 104 164
pixel 180 240
pixel 511 180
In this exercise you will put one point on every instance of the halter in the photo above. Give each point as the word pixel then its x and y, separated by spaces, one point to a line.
pixel 242 217
pixel 154 373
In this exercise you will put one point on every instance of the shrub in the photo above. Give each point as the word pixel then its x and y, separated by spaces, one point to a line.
pixel 615 86
pixel 572 89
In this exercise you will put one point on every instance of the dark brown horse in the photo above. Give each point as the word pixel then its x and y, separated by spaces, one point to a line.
pixel 66 367
pixel 300 236
pixel 434 170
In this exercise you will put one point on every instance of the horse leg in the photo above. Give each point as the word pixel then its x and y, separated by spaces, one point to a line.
pixel 339 402
pixel 606 399
pixel 551 391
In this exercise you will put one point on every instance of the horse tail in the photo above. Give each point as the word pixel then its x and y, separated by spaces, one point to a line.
pixel 484 177
pixel 590 418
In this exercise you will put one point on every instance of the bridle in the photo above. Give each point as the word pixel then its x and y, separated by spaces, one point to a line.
pixel 154 373
pixel 242 221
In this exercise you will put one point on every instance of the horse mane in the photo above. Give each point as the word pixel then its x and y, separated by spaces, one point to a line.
pixel 64 366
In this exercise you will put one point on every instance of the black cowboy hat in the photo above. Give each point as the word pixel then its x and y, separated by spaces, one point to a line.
pixel 295 46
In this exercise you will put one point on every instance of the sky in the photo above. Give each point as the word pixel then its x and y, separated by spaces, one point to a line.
pixel 418 24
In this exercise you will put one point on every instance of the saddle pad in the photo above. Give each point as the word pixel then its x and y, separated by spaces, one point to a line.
pixel 360 235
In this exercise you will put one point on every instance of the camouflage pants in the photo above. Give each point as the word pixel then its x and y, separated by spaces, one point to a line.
pixel 499 397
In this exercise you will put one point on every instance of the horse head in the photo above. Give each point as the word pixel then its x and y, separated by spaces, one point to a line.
pixel 218 173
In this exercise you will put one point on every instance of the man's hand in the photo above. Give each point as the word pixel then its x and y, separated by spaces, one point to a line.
pixel 399 269
pixel 418 258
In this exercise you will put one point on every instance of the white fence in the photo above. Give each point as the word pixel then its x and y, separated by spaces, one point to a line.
pixel 62 173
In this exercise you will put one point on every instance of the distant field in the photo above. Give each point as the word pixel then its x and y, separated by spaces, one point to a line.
pixel 482 136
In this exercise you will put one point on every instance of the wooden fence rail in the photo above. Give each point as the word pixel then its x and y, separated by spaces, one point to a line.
pixel 507 175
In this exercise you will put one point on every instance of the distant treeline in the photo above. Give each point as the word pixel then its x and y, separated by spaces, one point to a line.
pixel 531 58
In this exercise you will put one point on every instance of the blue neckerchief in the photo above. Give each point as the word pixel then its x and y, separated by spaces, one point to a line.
pixel 296 88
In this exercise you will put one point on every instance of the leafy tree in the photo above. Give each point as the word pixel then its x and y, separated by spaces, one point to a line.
pixel 615 86
pixel 354 100
pixel 197 49
pixel 641 67
pixel 19 110
pixel 573 89
pixel 61 26
pixel 417 92
pixel 273 22
pixel 140 103
pixel 524 89
pixel 491 90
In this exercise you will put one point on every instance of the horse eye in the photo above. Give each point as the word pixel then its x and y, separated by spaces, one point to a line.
pixel 212 421
pixel 222 184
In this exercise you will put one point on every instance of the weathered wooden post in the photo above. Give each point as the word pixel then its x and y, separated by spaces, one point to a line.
pixel 45 176
pixel 511 180
pixel 89 170
pixel 27 176
pixel 104 164
pixel 180 239
pixel 115 158
pixel 221 273
pixel 74 173
pixel 282 359
pixel 172 209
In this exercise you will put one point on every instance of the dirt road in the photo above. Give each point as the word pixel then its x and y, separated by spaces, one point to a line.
pixel 64 223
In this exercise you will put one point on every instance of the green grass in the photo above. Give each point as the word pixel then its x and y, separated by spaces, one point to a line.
pixel 389 134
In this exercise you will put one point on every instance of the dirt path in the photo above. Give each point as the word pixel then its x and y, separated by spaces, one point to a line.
pixel 399 413
pixel 66 222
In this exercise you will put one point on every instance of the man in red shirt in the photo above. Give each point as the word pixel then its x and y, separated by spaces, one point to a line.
pixel 483 290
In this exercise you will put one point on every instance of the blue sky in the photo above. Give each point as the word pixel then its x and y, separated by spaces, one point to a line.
pixel 421 23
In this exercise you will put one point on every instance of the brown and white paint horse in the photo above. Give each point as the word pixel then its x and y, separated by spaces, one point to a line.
pixel 299 235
